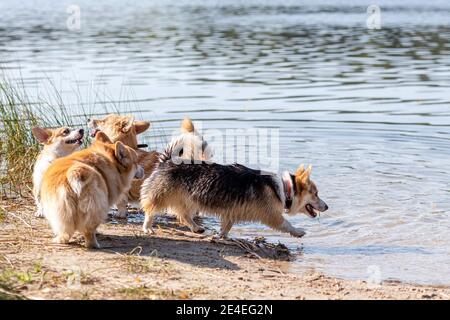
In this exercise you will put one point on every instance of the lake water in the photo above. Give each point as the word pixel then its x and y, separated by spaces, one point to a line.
pixel 370 109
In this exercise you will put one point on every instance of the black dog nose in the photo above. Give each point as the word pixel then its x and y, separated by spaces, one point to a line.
pixel 326 207
pixel 81 131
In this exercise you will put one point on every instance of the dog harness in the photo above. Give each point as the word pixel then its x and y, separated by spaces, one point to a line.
pixel 288 188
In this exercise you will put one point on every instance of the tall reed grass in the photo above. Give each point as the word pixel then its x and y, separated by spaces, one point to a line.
pixel 18 147
pixel 19 113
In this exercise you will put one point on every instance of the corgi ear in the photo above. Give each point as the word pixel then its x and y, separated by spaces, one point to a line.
pixel 122 154
pixel 41 134
pixel 141 126
pixel 102 137
pixel 306 174
pixel 187 126
pixel 127 124
pixel 302 175
pixel 300 170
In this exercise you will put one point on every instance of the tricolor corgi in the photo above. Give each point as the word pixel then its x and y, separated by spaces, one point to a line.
pixel 234 193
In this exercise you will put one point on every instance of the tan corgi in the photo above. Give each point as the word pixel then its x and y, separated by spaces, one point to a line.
pixel 125 129
pixel 78 190
pixel 57 143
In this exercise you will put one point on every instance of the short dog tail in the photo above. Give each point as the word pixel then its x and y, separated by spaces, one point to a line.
pixel 173 149
pixel 187 126
pixel 78 177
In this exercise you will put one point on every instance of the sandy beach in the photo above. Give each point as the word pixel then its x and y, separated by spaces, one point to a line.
pixel 173 264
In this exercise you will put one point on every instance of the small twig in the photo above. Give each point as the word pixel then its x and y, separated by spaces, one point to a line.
pixel 19 218
pixel 7 260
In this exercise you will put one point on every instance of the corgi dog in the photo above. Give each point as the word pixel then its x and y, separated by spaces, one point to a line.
pixel 125 129
pixel 57 143
pixel 78 190
pixel 234 193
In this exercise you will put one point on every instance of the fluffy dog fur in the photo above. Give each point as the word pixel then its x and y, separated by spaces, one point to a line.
pixel 57 143
pixel 78 190
pixel 234 193
pixel 125 129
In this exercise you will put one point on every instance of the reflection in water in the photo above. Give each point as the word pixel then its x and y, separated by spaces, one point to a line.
pixel 368 108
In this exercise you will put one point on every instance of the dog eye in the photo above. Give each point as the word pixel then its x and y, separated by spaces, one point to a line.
pixel 66 132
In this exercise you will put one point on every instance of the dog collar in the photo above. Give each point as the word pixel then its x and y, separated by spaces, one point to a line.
pixel 288 189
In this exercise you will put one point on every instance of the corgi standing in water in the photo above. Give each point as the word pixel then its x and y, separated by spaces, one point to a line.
pixel 57 143
pixel 234 193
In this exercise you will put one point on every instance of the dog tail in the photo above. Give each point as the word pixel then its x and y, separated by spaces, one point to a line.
pixel 78 177
pixel 173 149
pixel 187 126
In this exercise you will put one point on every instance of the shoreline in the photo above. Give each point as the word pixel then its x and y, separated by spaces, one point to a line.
pixel 173 264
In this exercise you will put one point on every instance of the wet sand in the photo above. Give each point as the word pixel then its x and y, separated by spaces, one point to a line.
pixel 173 264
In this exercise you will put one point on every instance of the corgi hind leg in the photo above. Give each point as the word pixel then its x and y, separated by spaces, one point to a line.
pixel 91 239
pixel 149 210
pixel 225 227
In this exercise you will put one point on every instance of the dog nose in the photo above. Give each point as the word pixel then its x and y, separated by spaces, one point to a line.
pixel 81 131
pixel 326 207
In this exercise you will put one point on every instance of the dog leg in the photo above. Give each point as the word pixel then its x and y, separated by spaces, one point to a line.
pixel 122 209
pixel 39 212
pixel 186 219
pixel 62 238
pixel 91 240
pixel 225 228
pixel 286 226
pixel 147 227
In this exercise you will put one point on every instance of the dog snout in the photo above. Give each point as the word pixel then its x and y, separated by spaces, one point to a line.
pixel 81 131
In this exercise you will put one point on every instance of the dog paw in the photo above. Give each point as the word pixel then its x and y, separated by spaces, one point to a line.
pixel 93 245
pixel 298 233
pixel 61 239
pixel 148 231
pixel 120 214
pixel 198 229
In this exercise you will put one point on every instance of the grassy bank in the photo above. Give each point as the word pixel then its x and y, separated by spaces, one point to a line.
pixel 19 113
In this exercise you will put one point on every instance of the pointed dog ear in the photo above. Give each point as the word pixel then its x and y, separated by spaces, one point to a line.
pixel 141 126
pixel 306 174
pixel 122 154
pixel 41 134
pixel 302 175
pixel 102 137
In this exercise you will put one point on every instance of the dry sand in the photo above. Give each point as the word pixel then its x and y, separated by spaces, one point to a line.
pixel 173 264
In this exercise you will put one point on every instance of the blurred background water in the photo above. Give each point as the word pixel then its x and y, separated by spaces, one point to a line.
pixel 370 109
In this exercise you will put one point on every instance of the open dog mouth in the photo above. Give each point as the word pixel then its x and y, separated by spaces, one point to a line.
pixel 78 140
pixel 94 132
pixel 311 211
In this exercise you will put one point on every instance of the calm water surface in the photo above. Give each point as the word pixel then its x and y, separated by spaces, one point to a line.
pixel 370 109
